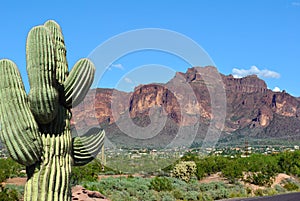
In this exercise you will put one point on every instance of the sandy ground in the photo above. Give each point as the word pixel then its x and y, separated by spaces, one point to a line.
pixel 18 181
pixel 279 178
pixel 213 178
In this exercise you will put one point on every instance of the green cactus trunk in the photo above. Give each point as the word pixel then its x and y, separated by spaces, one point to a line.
pixel 49 179
pixel 36 128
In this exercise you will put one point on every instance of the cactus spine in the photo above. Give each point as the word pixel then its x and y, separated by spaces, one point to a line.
pixel 36 128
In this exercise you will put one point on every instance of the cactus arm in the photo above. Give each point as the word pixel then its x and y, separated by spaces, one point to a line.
pixel 78 82
pixel 86 148
pixel 43 96
pixel 19 131
pixel 59 50
pixel 81 77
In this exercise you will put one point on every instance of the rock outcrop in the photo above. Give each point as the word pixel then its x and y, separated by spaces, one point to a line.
pixel 81 194
pixel 185 100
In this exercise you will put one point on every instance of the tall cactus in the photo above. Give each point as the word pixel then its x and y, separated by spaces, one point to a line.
pixel 36 128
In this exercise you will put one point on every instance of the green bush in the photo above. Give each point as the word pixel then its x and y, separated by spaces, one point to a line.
pixel 9 169
pixel 279 189
pixel 290 186
pixel 259 192
pixel 270 191
pixel 8 194
pixel 289 162
pixel 123 195
pixel 86 173
pixel 178 194
pixel 161 184
pixel 259 178
pixel 179 184
pixel 219 194
pixel 205 197
pixel 191 195
pixel 233 171
pixel 15 188
pixel 167 196
pixel 149 196
pixel 212 186
pixel 200 172
pixel 239 191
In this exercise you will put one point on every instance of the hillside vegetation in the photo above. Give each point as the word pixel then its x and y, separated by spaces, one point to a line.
pixel 183 180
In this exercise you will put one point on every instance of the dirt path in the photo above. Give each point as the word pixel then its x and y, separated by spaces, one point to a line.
pixel 18 181
pixel 213 178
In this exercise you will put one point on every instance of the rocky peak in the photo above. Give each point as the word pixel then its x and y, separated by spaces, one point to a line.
pixel 150 96
pixel 249 84
pixel 249 102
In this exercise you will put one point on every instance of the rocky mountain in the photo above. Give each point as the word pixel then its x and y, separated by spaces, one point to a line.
pixel 155 113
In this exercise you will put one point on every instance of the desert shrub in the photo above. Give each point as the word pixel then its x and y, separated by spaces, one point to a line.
pixel 167 196
pixel 236 194
pixel 263 163
pixel 9 169
pixel 184 170
pixel 279 189
pixel 219 194
pixel 200 172
pixel 161 184
pixel 110 172
pixel 121 195
pixel 270 191
pixel 136 188
pixel 178 183
pixel 178 194
pixel 259 192
pixel 248 191
pixel 150 195
pixel 86 173
pixel 260 178
pixel 289 162
pixel 191 195
pixel 238 190
pixel 130 176
pixel 211 186
pixel 193 185
pixel 291 186
pixel 205 197
pixel 123 188
pixel 7 194
pixel 15 188
pixel 209 165
pixel 233 171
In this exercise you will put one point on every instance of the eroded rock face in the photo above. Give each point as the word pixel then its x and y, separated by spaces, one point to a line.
pixel 154 96
pixel 249 84
pixel 249 102
pixel 97 107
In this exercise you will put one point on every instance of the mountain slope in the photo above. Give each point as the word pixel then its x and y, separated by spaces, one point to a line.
pixel 252 110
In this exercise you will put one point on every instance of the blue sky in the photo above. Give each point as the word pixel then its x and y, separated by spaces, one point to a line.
pixel 241 37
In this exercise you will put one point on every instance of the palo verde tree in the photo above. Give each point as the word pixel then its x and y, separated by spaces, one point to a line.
pixel 36 127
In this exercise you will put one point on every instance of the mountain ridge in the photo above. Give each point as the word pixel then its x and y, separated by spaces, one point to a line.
pixel 251 108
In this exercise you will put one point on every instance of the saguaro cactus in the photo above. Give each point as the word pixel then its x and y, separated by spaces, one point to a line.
pixel 36 128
